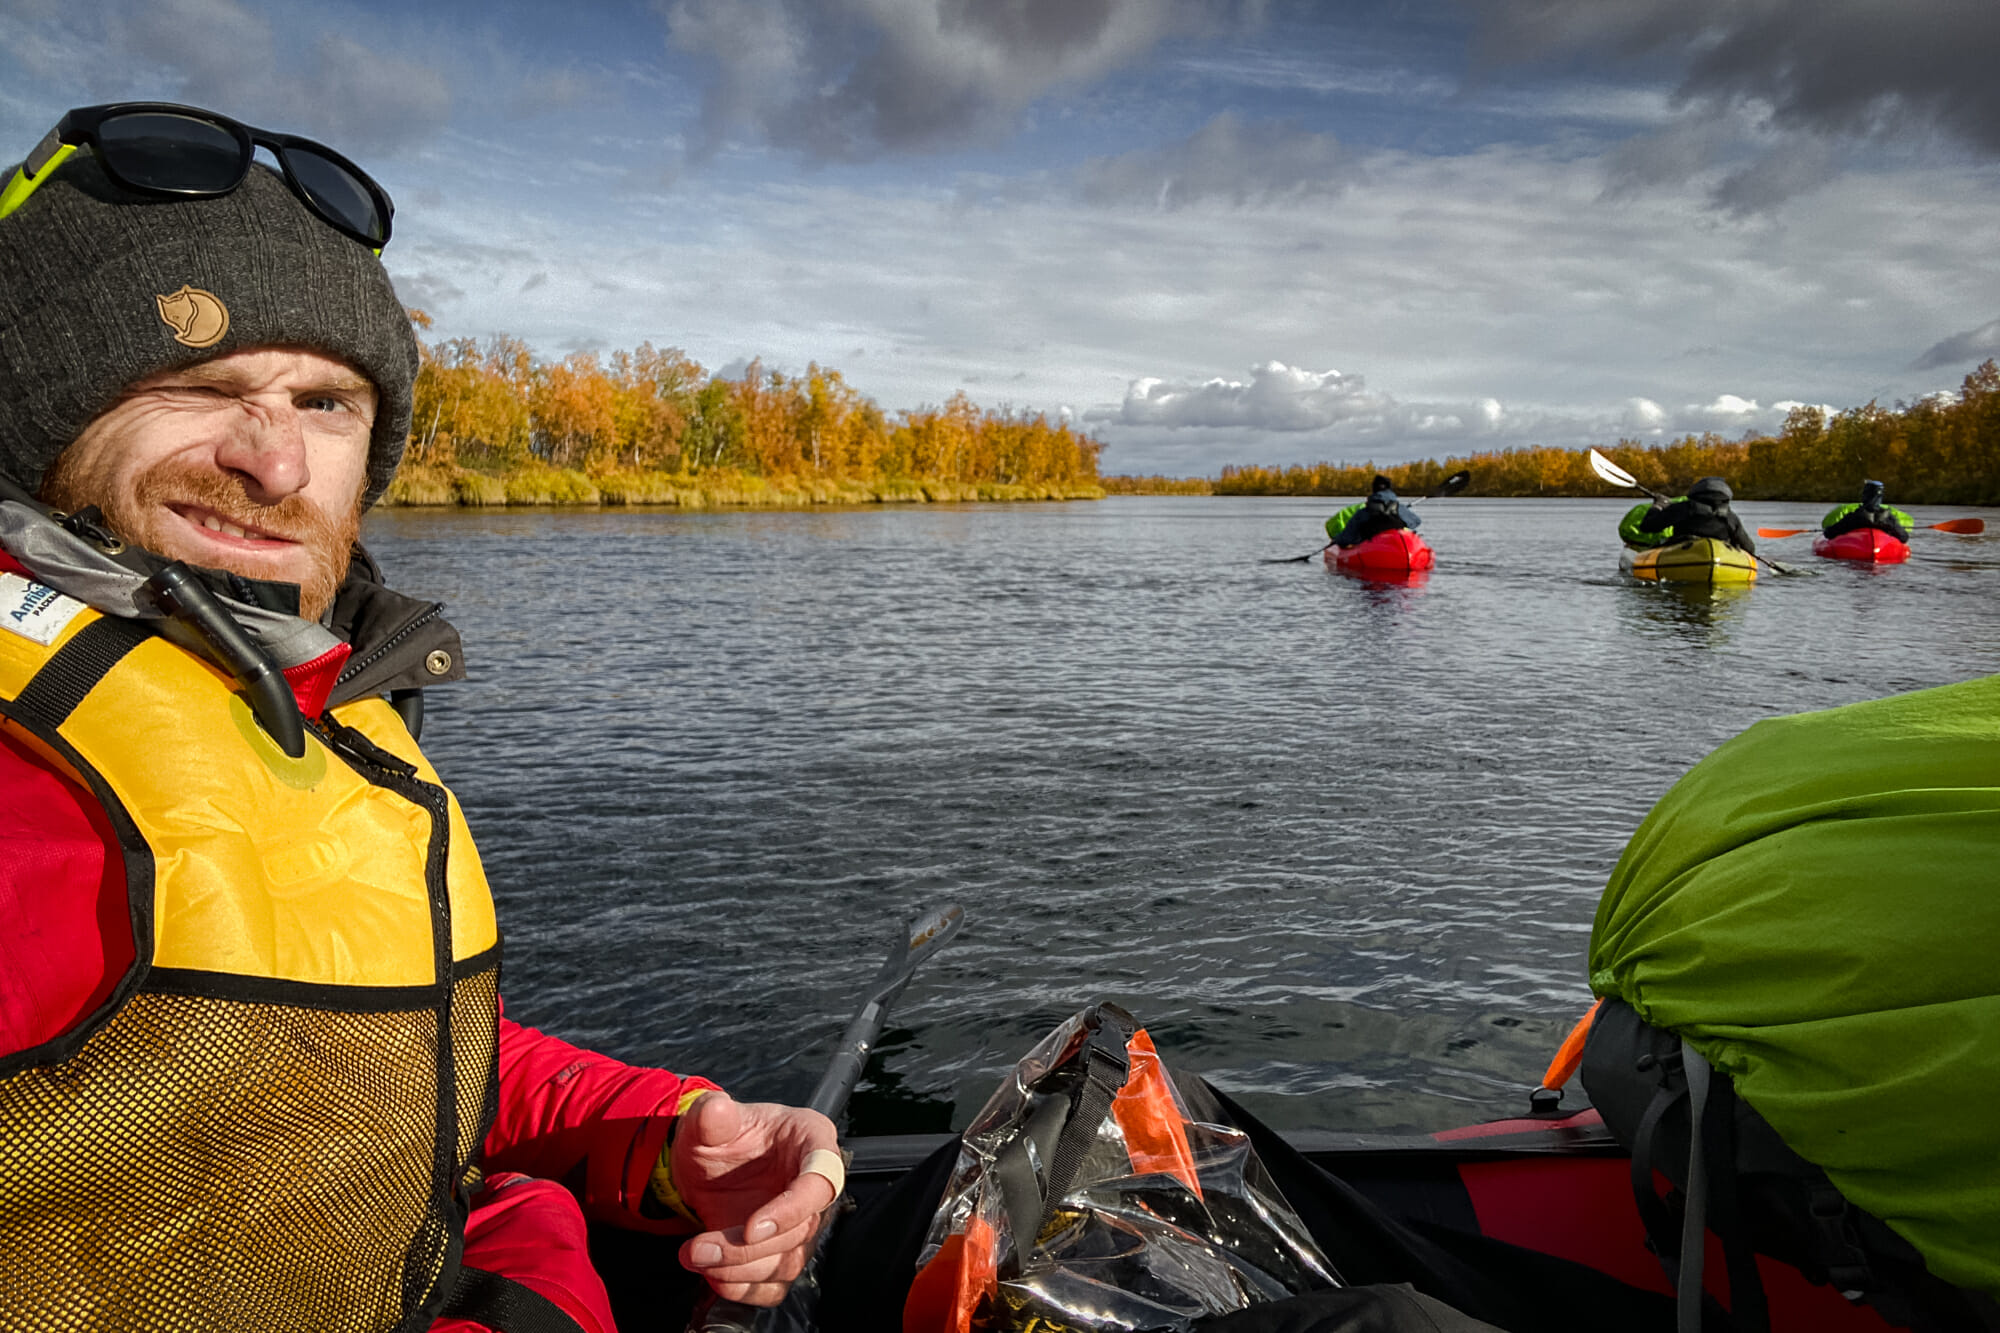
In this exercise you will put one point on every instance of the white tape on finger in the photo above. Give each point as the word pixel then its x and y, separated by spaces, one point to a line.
pixel 825 1162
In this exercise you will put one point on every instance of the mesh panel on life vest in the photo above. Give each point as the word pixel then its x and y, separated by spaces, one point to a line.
pixel 113 1214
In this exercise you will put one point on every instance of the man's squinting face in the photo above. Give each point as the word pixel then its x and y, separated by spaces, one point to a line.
pixel 254 462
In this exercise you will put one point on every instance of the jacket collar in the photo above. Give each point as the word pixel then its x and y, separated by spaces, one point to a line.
pixel 379 639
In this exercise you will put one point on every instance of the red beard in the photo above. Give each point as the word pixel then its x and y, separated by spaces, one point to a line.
pixel 143 519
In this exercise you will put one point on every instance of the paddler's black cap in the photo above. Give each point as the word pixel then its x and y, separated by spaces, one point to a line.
pixel 1871 492
pixel 1715 487
pixel 1381 483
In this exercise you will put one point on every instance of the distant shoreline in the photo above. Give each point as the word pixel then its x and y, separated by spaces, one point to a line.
pixel 418 486
pixel 1944 449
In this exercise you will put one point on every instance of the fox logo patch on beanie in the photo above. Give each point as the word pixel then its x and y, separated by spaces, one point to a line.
pixel 198 318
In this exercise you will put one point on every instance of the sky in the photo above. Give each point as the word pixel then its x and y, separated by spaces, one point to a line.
pixel 1207 231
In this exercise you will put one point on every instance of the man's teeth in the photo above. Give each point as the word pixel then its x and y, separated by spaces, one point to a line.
pixel 214 524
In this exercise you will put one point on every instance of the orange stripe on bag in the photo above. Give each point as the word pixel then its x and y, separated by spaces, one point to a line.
pixel 1570 1054
pixel 1155 1135
pixel 949 1288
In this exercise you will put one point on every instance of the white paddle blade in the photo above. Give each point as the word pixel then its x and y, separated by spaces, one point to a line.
pixel 1610 471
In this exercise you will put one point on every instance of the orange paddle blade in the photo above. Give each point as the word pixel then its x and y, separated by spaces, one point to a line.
pixel 1789 532
pixel 1971 527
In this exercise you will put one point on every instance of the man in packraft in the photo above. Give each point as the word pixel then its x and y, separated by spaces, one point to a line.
pixel 1381 512
pixel 253 1068
pixel 1705 512
pixel 1868 512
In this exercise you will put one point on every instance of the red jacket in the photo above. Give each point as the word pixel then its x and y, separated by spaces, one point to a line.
pixel 65 940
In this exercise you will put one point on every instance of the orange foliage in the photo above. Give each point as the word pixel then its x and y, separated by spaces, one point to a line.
pixel 494 405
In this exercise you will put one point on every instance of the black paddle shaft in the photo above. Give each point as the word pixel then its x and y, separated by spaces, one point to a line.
pixel 922 937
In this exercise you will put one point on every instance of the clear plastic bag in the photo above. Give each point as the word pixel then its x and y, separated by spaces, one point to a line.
pixel 1086 1197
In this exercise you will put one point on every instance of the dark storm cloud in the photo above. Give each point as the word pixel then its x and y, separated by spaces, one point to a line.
pixel 1961 350
pixel 1231 159
pixel 849 80
pixel 1859 68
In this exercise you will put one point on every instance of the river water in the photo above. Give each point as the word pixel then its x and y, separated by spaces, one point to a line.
pixel 1337 843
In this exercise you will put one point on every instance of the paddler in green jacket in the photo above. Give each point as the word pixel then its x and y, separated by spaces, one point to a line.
pixel 1869 512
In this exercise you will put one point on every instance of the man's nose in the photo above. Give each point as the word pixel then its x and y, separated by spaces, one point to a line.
pixel 268 449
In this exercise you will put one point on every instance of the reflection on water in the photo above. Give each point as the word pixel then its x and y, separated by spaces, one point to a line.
pixel 1378 581
pixel 1338 842
pixel 1693 613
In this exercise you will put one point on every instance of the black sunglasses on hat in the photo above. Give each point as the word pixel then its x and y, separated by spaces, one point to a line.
pixel 161 148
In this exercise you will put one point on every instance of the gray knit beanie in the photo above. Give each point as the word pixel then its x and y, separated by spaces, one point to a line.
pixel 100 288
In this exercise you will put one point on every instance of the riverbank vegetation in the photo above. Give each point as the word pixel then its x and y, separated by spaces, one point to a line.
pixel 1940 450
pixel 1157 485
pixel 496 425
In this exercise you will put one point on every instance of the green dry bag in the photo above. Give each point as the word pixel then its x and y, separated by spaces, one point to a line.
pixel 1814 908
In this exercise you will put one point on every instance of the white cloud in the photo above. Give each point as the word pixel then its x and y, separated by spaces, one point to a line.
pixel 1276 397
pixel 1644 414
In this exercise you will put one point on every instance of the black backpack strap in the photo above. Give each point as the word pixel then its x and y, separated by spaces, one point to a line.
pixel 1022 1197
pixel 1748 1307
pixel 506 1306
pixel 1658 1219
pixel 1694 1205
pixel 1709 1201
pixel 1062 1130
pixel 1104 1068
pixel 1836 1240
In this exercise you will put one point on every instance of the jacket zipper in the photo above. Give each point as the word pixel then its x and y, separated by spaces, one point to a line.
pixel 382 650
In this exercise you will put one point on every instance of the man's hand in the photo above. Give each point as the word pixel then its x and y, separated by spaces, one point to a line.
pixel 737 1165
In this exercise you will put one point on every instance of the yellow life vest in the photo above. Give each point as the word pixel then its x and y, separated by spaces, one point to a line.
pixel 271 1123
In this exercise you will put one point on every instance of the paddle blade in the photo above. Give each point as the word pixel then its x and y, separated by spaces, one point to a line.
pixel 1610 471
pixel 1781 532
pixel 1969 527
pixel 924 936
pixel 1457 482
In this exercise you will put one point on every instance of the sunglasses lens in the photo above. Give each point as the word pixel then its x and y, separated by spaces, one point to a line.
pixel 161 151
pixel 338 193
